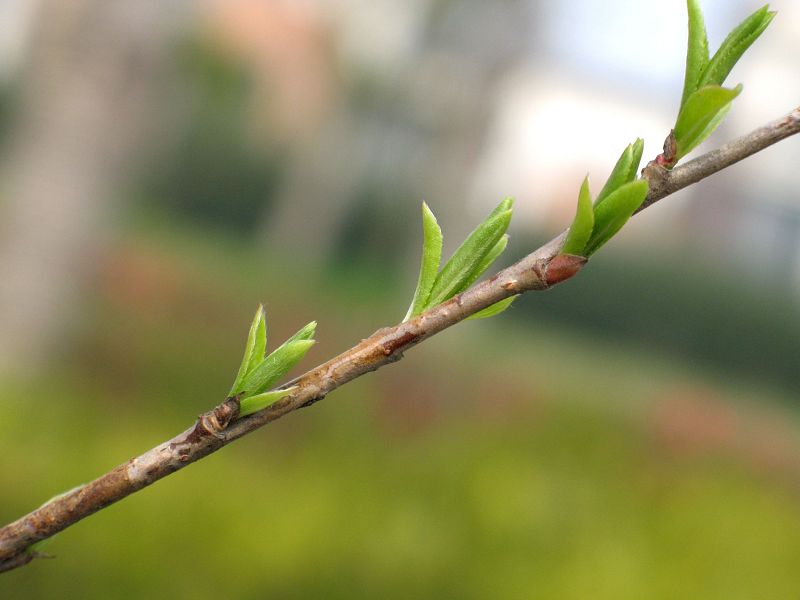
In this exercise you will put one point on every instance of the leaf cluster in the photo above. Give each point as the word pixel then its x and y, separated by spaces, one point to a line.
pixel 471 260
pixel 597 222
pixel 705 102
pixel 259 371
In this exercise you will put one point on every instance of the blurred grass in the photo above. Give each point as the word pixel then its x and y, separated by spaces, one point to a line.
pixel 493 462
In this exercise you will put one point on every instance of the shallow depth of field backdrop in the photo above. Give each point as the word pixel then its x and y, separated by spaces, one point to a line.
pixel 165 166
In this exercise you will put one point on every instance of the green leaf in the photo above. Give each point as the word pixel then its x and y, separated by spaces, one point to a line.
pixel 494 253
pixel 696 52
pixel 429 267
pixel 260 346
pixel 254 349
pixel 581 229
pixel 253 404
pixel 306 333
pixel 494 309
pixel 734 46
pixel 487 261
pixel 506 204
pixel 712 125
pixel 274 366
pixel 470 254
pixel 624 171
pixel 701 115
pixel 614 212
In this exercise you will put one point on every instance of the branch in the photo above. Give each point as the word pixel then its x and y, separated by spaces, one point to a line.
pixel 539 270
pixel 663 182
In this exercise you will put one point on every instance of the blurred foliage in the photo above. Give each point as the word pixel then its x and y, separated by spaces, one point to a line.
pixel 501 460
pixel 377 214
pixel 684 306
pixel 215 172
pixel 8 106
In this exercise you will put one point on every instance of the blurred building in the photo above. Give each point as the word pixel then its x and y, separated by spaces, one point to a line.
pixel 416 94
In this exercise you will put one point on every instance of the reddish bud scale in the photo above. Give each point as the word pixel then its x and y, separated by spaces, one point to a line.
pixel 669 157
pixel 562 267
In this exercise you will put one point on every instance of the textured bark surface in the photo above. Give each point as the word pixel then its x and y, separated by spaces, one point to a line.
pixel 539 270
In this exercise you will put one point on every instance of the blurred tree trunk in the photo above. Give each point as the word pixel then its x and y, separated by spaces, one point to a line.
pixel 86 90
pixel 410 122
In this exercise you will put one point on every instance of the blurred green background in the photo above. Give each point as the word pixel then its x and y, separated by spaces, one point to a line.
pixel 633 433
